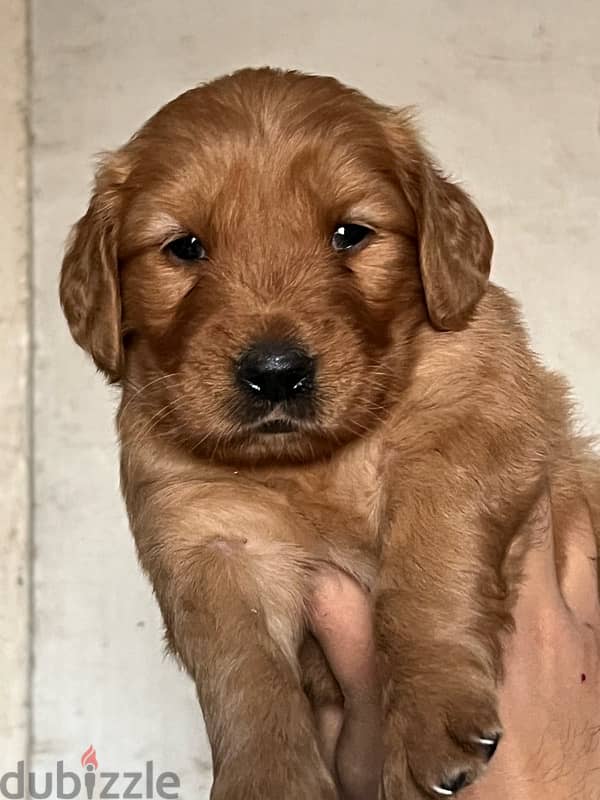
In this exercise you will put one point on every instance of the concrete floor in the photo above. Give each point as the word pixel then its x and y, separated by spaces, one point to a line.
pixel 510 99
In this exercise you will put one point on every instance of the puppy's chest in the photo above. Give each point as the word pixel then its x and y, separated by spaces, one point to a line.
pixel 345 498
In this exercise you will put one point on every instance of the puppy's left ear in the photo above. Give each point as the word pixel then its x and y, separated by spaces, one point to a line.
pixel 89 281
pixel 455 245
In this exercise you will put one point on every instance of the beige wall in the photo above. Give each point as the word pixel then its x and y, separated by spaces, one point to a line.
pixel 509 96
pixel 14 386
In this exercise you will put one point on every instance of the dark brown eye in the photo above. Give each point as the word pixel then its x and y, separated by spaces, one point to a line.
pixel 348 235
pixel 187 248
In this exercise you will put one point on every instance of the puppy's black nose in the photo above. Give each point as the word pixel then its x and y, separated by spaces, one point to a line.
pixel 276 371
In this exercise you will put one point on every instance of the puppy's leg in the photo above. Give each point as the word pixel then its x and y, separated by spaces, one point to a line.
pixel 439 608
pixel 231 582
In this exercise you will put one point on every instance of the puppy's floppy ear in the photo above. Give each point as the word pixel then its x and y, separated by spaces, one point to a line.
pixel 455 245
pixel 89 280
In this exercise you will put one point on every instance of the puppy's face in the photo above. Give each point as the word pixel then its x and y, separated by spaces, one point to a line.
pixel 254 263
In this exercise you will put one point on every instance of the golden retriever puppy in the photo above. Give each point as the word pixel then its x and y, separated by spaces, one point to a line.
pixel 316 373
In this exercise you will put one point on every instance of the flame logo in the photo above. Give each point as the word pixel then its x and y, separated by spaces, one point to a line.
pixel 89 757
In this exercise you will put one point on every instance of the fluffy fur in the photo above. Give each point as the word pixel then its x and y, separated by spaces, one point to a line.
pixel 434 427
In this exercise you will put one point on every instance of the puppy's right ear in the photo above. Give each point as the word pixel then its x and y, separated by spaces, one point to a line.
pixel 89 280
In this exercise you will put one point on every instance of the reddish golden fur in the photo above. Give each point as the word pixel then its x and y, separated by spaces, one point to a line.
pixel 436 425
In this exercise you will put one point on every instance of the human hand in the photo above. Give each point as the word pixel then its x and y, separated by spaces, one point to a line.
pixel 550 698
pixel 341 619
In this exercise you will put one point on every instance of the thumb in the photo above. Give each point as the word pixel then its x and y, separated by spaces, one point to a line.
pixel 579 568
pixel 535 551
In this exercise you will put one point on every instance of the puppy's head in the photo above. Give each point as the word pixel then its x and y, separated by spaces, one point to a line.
pixel 254 263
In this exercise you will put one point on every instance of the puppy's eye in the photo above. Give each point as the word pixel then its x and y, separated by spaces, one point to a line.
pixel 348 235
pixel 187 248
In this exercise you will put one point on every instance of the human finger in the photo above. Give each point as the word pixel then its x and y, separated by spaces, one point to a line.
pixel 341 620
pixel 579 571
pixel 534 551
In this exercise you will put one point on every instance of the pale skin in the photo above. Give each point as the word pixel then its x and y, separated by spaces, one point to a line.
pixel 351 737
pixel 549 699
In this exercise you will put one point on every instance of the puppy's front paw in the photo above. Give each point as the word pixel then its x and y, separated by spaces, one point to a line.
pixel 276 773
pixel 438 745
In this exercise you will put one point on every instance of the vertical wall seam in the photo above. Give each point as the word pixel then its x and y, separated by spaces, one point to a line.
pixel 30 388
pixel 15 399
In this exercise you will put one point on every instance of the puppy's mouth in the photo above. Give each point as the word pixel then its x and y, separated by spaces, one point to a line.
pixel 271 426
